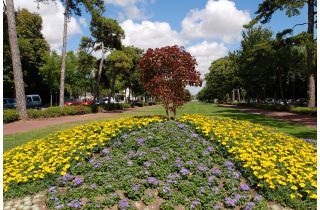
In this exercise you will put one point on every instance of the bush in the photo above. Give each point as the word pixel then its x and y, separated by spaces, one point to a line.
pixel 113 106
pixel 54 111
pixel 10 115
pixel 34 113
pixel 139 104
pixel 304 110
pixel 126 105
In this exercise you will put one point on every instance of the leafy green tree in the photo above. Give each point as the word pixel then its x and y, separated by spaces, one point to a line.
pixel 106 35
pixel 73 7
pixel 120 64
pixel 132 78
pixel 50 71
pixel 292 8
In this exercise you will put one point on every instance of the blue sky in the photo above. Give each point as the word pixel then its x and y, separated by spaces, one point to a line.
pixel 208 29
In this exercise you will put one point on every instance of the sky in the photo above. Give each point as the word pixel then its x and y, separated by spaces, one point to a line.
pixel 208 29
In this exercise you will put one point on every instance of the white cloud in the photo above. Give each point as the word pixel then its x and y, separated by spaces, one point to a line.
pixel 52 20
pixel 131 9
pixel 218 20
pixel 150 34
pixel 83 21
pixel 205 53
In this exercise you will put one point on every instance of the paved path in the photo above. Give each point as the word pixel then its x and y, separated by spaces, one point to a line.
pixel 306 120
pixel 23 126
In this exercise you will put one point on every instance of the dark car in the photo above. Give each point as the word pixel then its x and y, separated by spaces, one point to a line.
pixel 33 101
pixel 9 103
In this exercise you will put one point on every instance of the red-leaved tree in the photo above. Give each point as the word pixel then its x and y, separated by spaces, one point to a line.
pixel 166 72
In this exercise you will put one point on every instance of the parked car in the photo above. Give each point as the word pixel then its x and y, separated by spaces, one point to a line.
pixel 9 103
pixel 269 101
pixel 70 102
pixel 87 102
pixel 33 101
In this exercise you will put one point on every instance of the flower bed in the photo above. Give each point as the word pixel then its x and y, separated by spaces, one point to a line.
pixel 283 167
pixel 162 166
pixel 44 158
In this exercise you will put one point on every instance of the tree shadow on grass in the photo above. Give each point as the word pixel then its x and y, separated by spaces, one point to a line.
pixel 290 128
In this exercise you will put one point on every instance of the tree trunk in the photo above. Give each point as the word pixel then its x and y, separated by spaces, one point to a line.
pixel 50 98
pixel 99 72
pixel 64 49
pixel 311 75
pixel 16 62
pixel 232 95
pixel 112 88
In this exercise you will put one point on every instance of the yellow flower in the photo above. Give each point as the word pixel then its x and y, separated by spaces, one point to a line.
pixel 292 196
pixel 294 187
pixel 313 196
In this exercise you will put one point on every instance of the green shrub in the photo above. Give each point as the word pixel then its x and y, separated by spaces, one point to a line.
pixel 304 110
pixel 34 113
pixel 126 105
pixel 113 106
pixel 54 111
pixel 10 115
pixel 139 104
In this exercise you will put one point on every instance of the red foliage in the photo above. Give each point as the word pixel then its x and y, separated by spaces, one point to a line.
pixel 166 72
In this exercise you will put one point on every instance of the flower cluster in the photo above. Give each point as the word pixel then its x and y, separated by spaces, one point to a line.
pixel 193 174
pixel 275 159
pixel 54 154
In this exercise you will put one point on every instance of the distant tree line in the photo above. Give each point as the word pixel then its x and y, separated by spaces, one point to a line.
pixel 267 65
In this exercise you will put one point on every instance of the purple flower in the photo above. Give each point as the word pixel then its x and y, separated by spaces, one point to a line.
pixel 53 190
pixel 194 135
pixel 217 206
pixel 123 204
pixel 93 186
pixel 108 158
pixel 105 151
pixel 230 202
pixel 96 165
pixel 228 163
pixel 216 171
pixel 53 198
pixel 190 162
pixel 164 157
pixel 202 168
pixel 74 204
pixel 173 176
pixel 77 181
pixel 195 203
pixel 166 189
pixel 150 137
pixel 236 175
pixel 92 160
pixel 257 198
pixel 147 173
pixel 136 187
pixel 211 178
pixel 216 190
pixel 153 181
pixel 66 177
pixel 181 126
pixel 60 206
pixel 141 141
pixel 184 172
pixel 244 187
pixel 210 149
pixel 237 197
pixel 124 136
pixel 249 206
pixel 97 205
pixel 130 163
pixel 169 181
pixel 147 164
pixel 178 162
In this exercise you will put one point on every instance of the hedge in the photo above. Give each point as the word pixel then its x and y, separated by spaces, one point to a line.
pixel 10 115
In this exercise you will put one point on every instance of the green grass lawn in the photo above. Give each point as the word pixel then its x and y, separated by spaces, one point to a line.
pixel 11 141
